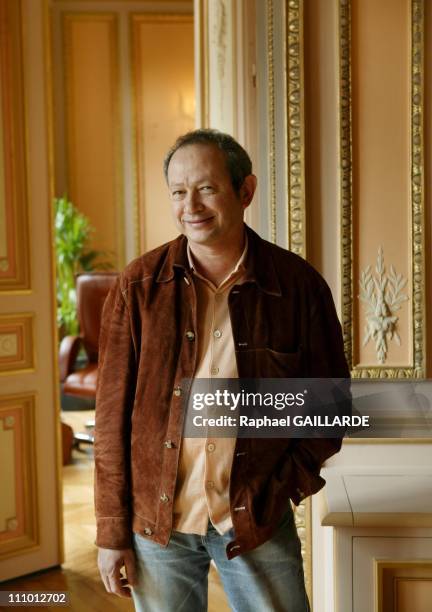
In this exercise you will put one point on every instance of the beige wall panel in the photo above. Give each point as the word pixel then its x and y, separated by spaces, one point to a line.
pixel 19 507
pixel 155 40
pixel 14 251
pixel 321 132
pixel 382 186
pixel 404 586
pixel 92 120
pixel 413 594
pixel 381 153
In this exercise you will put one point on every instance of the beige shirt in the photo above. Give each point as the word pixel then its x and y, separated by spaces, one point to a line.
pixel 202 489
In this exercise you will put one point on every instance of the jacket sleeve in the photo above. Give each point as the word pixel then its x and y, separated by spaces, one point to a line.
pixel 114 403
pixel 325 358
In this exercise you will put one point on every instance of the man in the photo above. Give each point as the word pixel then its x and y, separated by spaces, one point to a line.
pixel 216 302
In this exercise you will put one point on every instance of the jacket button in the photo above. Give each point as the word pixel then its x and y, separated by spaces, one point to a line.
pixel 164 498
pixel 190 335
pixel 148 531
pixel 301 493
pixel 177 391
pixel 168 444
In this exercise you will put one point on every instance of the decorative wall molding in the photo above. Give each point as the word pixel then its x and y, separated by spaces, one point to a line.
pixel 382 295
pixel 280 114
pixel 17 343
pixel 271 120
pixel 218 38
pixel 19 530
pixel 416 173
pixel 345 187
pixel 296 132
pixel 303 521
pixel 14 223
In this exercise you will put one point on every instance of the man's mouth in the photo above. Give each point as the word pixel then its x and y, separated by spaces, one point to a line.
pixel 197 222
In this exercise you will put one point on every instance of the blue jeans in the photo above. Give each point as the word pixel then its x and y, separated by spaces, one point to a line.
pixel 268 578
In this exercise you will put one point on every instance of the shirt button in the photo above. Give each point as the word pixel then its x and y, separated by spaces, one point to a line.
pixel 214 370
pixel 210 484
pixel 211 447
pixel 168 444
pixel 217 333
pixel 148 531
pixel 190 335
pixel 177 391
pixel 164 498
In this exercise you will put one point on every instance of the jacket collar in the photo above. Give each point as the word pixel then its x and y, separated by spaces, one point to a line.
pixel 259 263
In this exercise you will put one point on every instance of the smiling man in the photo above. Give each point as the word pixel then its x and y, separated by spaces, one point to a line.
pixel 217 302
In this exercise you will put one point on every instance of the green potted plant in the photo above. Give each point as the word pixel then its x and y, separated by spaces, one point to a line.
pixel 72 234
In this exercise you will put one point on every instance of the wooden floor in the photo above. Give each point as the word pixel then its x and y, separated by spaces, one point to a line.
pixel 79 574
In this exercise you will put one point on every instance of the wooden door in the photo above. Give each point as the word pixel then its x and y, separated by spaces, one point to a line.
pixel 30 498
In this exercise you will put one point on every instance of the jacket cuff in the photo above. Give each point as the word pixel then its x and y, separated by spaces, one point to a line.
pixel 310 486
pixel 113 532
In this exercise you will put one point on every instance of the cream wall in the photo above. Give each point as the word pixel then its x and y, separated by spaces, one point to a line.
pixel 120 102
pixel 164 109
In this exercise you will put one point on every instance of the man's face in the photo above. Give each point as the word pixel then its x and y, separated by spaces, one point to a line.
pixel 205 206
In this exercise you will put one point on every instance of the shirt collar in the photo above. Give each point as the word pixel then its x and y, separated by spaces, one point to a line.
pixel 259 264
pixel 240 265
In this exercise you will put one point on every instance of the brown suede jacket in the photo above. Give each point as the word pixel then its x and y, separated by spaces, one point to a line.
pixel 284 324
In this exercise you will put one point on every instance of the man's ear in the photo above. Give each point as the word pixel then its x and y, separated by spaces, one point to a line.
pixel 247 190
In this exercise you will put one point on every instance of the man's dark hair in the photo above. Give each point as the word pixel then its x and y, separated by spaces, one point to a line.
pixel 238 162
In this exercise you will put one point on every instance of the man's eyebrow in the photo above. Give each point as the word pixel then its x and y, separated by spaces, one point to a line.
pixel 204 179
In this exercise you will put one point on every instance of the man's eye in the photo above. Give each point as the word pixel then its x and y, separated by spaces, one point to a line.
pixel 177 193
pixel 206 188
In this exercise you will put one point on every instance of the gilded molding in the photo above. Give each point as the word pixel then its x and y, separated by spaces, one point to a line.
pixel 417 297
pixel 303 521
pixel 271 118
pixel 417 186
pixel 345 186
pixel 295 128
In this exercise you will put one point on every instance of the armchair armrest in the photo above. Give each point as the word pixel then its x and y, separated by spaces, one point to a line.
pixel 68 353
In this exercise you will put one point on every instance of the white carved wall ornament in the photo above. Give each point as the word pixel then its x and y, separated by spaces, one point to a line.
pixel 219 42
pixel 382 295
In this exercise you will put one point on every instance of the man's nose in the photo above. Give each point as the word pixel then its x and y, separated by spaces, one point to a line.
pixel 192 202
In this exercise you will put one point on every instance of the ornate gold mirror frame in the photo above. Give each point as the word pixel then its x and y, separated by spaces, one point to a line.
pixel 349 288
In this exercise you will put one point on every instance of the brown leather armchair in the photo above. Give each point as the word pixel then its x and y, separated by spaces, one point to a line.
pixel 92 289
